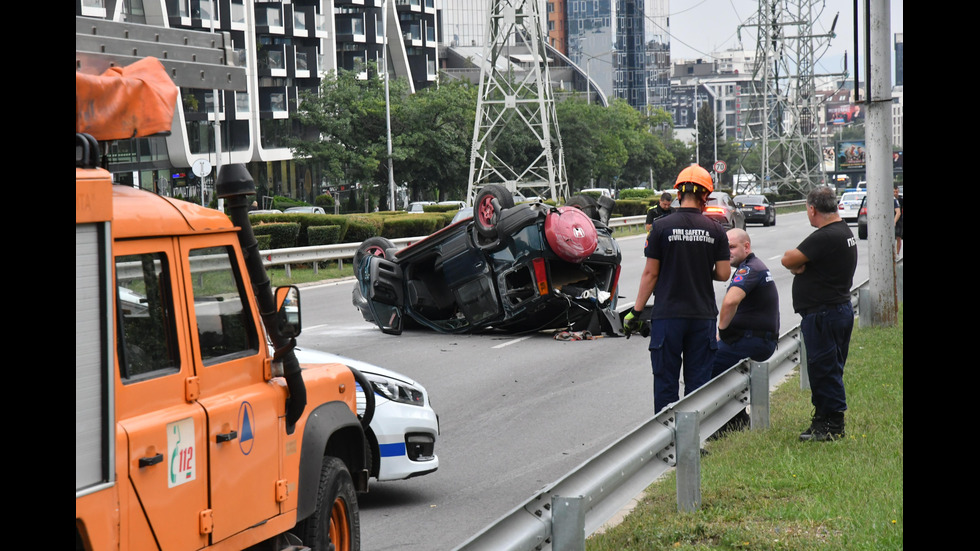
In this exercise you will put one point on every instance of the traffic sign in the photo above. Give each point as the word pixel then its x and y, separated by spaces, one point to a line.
pixel 720 167
pixel 201 168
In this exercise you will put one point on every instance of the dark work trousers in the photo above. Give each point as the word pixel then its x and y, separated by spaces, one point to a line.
pixel 827 335
pixel 669 340
pixel 747 346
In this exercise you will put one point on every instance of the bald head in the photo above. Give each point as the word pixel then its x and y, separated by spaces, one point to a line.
pixel 739 245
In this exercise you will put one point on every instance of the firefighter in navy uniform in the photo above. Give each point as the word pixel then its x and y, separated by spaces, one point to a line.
pixel 748 326
pixel 685 252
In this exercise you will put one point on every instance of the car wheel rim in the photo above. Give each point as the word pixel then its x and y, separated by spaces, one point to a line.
pixel 485 212
pixel 375 251
pixel 339 525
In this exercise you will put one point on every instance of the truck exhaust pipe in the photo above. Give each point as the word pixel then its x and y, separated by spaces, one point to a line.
pixel 235 184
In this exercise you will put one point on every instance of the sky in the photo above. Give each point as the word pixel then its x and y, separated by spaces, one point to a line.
pixel 700 27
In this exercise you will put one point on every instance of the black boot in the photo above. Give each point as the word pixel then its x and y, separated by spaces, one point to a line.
pixel 825 428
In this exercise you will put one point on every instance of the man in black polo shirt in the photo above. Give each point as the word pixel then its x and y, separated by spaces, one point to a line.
pixel 748 325
pixel 685 251
pixel 824 265
pixel 662 209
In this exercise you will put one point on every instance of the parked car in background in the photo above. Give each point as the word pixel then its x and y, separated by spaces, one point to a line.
pixel 756 209
pixel 722 209
pixel 402 433
pixel 265 211
pixel 457 204
pixel 462 214
pixel 417 206
pixel 603 191
pixel 305 210
pixel 513 268
pixel 849 204
pixel 863 218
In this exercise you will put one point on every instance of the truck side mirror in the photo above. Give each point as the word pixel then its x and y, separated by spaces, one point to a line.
pixel 287 311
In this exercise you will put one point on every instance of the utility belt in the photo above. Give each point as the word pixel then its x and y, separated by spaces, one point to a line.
pixel 732 335
pixel 823 308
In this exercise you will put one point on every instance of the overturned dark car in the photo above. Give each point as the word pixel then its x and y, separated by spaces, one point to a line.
pixel 513 268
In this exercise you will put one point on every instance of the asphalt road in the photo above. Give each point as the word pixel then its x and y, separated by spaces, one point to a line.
pixel 517 412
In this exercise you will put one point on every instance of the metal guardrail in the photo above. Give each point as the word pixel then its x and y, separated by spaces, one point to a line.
pixel 562 514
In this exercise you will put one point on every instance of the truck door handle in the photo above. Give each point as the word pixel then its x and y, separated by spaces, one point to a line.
pixel 226 436
pixel 153 460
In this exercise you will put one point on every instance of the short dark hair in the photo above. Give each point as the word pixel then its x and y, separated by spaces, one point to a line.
pixel 666 197
pixel 823 199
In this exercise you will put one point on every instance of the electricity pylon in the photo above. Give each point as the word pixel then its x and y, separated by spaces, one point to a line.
pixel 783 119
pixel 515 96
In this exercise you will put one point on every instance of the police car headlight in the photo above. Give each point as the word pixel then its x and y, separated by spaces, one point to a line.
pixel 396 391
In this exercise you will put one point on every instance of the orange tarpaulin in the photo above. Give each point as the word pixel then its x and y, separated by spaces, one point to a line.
pixel 125 102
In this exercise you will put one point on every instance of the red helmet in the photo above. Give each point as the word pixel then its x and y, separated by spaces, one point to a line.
pixel 697 176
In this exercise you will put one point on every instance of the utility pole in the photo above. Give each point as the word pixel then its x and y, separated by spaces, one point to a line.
pixel 880 171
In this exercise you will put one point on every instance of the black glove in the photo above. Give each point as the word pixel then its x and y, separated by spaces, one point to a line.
pixel 632 322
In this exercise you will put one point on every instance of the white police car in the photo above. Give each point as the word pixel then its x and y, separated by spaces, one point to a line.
pixel 402 434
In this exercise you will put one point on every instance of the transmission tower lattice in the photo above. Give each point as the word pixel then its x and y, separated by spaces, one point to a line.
pixel 783 118
pixel 515 96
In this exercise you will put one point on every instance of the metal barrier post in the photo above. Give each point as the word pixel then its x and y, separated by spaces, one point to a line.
pixel 688 442
pixel 804 377
pixel 759 394
pixel 568 523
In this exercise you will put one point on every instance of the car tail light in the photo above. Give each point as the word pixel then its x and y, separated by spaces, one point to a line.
pixel 541 275
pixel 759 207
pixel 840 206
pixel 864 210
pixel 714 210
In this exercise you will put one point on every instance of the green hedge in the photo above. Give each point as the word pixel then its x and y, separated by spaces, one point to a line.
pixel 264 241
pixel 361 227
pixel 414 225
pixel 440 208
pixel 282 234
pixel 323 235
pixel 305 221
pixel 325 201
pixel 638 194
pixel 631 207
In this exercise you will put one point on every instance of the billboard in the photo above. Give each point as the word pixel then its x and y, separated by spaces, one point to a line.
pixel 850 156
pixel 844 113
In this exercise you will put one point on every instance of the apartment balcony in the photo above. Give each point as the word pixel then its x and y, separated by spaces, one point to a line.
pixel 269 19
pixel 273 102
pixel 304 62
pixel 300 16
pixel 242 108
pixel 271 61
pixel 350 28
pixel 410 5
pixel 321 25
pixel 236 8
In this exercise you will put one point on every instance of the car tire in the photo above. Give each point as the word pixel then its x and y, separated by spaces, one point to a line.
pixel 773 223
pixel 372 246
pixel 485 214
pixel 586 204
pixel 862 232
pixel 335 522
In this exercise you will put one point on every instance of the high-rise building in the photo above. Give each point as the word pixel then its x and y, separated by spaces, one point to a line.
pixel 624 46
pixel 286 47
pixel 899 55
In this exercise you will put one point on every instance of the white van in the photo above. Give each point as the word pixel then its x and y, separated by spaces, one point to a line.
pixel 601 190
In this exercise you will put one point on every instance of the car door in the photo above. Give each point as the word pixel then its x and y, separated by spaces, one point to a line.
pixel 161 432
pixel 244 409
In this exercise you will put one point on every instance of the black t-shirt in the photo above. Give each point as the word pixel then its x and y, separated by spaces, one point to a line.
pixel 657 212
pixel 687 244
pixel 832 258
pixel 759 310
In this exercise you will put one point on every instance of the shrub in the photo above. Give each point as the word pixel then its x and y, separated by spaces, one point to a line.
pixel 413 226
pixel 440 208
pixel 325 201
pixel 282 234
pixel 631 207
pixel 639 194
pixel 361 227
pixel 264 241
pixel 323 235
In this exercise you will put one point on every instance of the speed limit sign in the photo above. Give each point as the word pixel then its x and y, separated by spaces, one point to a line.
pixel 720 167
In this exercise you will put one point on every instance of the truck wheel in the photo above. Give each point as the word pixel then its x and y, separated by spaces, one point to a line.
pixel 372 246
pixel 485 214
pixel 335 523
